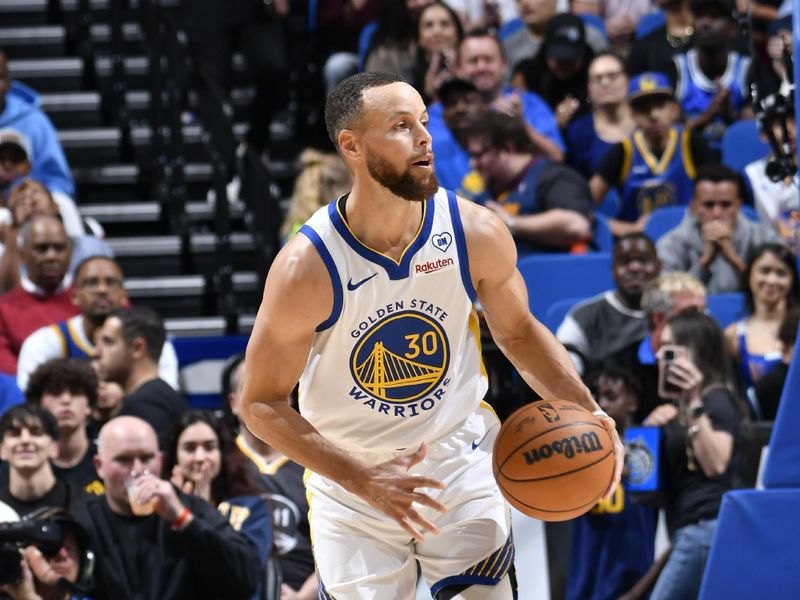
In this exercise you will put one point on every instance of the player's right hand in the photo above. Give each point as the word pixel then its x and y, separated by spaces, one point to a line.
pixel 389 488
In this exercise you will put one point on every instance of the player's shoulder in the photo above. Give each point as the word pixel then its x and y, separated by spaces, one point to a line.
pixel 481 226
pixel 299 277
pixel 489 243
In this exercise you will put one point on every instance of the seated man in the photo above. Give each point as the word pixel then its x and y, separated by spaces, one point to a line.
pixel 610 321
pixel 546 205
pixel 711 84
pixel 21 115
pixel 62 568
pixel 152 540
pixel 772 182
pixel 462 104
pixel 99 289
pixel 26 200
pixel 67 389
pixel 655 166
pixel 28 436
pixel 128 347
pixel 714 241
pixel 481 61
pixel 662 299
pixel 44 295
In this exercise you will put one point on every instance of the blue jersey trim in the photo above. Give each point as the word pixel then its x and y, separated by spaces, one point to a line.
pixel 395 270
pixel 336 280
pixel 461 246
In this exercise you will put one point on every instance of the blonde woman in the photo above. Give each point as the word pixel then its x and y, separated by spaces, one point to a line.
pixel 323 178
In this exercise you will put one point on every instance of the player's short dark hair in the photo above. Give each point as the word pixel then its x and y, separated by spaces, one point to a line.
pixel 718 173
pixel 145 323
pixel 74 375
pixel 500 131
pixel 345 102
pixel 28 415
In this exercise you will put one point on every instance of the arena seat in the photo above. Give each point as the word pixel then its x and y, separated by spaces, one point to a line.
pixel 662 220
pixel 741 145
pixel 649 23
pixel 554 277
pixel 726 308
pixel 200 364
pixel 558 311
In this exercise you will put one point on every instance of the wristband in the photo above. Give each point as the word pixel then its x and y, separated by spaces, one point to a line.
pixel 178 523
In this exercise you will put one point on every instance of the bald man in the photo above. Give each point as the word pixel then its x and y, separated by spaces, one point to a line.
pixel 44 295
pixel 183 549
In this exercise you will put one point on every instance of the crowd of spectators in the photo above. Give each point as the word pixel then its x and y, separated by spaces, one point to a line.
pixel 556 116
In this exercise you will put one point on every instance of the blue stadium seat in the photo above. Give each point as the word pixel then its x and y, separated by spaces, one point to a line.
pixel 558 310
pixel 200 364
pixel 752 553
pixel 782 469
pixel 741 145
pixel 726 308
pixel 649 23
pixel 554 277
pixel 595 22
pixel 662 220
pixel 510 27
pixel 364 43
pixel 611 204
pixel 602 237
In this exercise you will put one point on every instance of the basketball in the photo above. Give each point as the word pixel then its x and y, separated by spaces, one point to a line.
pixel 553 460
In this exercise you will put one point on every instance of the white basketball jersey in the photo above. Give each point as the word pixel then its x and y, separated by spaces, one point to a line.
pixel 398 361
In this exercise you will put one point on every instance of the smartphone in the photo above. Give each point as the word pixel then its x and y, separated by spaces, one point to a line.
pixel 666 356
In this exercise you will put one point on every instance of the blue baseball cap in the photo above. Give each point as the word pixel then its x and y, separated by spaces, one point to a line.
pixel 649 83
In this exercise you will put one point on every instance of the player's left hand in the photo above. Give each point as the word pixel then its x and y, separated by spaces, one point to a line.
pixel 619 454
pixel 389 488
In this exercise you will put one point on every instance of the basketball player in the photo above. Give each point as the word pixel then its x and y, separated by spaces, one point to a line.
pixel 372 309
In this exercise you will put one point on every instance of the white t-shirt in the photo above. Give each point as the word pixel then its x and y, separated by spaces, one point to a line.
pixel 48 343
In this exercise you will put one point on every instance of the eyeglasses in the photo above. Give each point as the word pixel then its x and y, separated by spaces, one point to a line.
pixel 92 283
pixel 612 76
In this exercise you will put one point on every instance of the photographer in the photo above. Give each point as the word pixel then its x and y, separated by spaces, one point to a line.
pixel 700 445
pixel 58 569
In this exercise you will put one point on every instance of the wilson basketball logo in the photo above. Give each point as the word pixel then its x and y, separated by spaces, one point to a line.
pixel 401 358
pixel 568 447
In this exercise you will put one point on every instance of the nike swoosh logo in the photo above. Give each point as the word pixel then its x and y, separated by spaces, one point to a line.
pixel 478 443
pixel 354 286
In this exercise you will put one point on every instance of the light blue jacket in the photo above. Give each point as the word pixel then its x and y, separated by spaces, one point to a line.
pixel 49 165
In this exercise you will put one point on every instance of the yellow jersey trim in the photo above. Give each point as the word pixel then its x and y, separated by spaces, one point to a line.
pixel 410 243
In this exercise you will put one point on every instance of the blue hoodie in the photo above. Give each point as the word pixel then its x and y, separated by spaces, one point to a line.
pixel 49 165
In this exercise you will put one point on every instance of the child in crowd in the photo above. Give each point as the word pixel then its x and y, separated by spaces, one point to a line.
pixel 654 167
pixel 613 544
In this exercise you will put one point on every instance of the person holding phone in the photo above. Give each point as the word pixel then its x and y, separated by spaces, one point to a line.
pixel 700 445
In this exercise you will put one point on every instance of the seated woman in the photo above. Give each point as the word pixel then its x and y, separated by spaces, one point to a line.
pixel 202 459
pixel 700 447
pixel 558 73
pixel 438 35
pixel 589 136
pixel 771 289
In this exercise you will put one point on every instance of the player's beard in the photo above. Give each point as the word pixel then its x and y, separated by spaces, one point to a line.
pixel 402 184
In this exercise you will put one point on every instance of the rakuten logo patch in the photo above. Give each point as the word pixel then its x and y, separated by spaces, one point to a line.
pixel 434 265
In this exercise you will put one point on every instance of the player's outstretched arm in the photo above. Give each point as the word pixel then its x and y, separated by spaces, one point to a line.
pixel 298 296
pixel 540 358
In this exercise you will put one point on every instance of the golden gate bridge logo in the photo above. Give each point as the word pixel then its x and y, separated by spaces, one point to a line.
pixel 402 358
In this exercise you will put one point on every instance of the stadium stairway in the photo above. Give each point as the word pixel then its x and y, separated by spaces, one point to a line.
pixel 37 36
